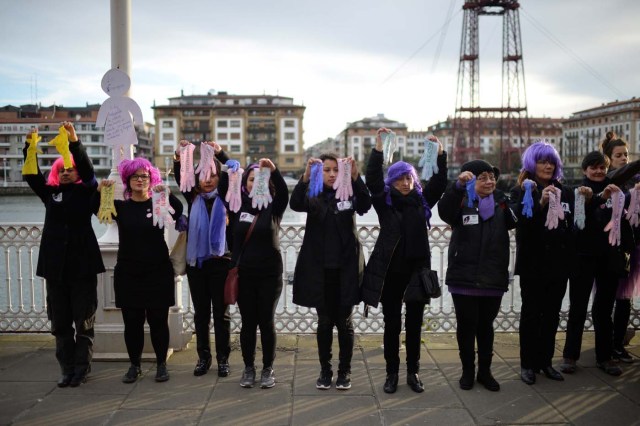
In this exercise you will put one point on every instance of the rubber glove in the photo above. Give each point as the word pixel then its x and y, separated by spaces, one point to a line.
pixel 579 215
pixel 207 165
pixel 342 185
pixel 471 192
pixel 187 174
pixel 61 142
pixel 315 180
pixel 617 199
pixel 527 200
pixel 107 207
pixel 389 146
pixel 429 160
pixel 633 214
pixel 260 194
pixel 234 194
pixel 30 166
pixel 555 212
pixel 161 208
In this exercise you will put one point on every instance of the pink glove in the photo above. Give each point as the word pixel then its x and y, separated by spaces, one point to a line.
pixel 260 194
pixel 187 174
pixel 555 213
pixel 234 197
pixel 342 185
pixel 633 214
pixel 617 199
pixel 207 165
pixel 161 208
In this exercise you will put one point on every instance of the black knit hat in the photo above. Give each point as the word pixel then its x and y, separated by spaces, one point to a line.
pixel 477 167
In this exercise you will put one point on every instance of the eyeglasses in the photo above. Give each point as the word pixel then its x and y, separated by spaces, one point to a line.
pixel 545 162
pixel 139 177
pixel 485 178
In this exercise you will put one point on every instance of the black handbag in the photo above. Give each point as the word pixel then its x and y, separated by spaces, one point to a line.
pixel 423 286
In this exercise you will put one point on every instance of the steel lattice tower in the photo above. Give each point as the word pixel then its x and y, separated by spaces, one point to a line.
pixel 470 117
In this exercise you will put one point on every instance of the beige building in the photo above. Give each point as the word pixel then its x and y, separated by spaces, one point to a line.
pixel 16 121
pixel 247 127
pixel 584 131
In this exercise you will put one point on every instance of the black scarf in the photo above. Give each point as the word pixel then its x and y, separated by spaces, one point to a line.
pixel 413 224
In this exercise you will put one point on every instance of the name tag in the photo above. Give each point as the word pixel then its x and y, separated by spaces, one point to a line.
pixel 565 207
pixel 470 219
pixel 344 205
pixel 246 217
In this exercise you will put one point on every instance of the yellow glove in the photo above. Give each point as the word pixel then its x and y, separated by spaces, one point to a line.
pixel 107 208
pixel 30 166
pixel 61 142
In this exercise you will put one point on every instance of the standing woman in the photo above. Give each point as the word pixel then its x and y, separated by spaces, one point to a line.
pixel 544 258
pixel 478 268
pixel 404 210
pixel 617 152
pixel 69 257
pixel 143 275
pixel 330 264
pixel 208 257
pixel 259 268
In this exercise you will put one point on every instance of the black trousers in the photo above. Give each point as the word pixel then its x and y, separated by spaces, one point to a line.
pixel 134 332
pixel 541 303
pixel 591 268
pixel 475 316
pixel 392 294
pixel 621 316
pixel 71 307
pixel 258 297
pixel 334 314
pixel 206 285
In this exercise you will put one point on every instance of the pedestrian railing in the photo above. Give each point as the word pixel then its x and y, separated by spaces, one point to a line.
pixel 23 295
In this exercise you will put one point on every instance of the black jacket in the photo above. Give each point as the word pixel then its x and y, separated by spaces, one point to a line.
pixel 69 248
pixel 478 252
pixel 390 224
pixel 308 282
pixel 536 245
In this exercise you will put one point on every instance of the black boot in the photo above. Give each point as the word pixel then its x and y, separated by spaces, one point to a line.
pixel 485 377
pixel 468 377
pixel 202 367
pixel 391 383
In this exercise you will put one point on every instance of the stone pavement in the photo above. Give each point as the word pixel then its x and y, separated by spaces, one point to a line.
pixel 28 392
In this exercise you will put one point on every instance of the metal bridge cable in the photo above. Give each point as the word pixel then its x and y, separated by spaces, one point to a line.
pixel 418 50
pixel 572 54
pixel 443 36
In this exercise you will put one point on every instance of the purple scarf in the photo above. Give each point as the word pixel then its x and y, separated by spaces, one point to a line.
pixel 207 233
pixel 486 207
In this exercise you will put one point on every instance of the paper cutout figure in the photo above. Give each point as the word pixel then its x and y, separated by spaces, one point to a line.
pixel 260 194
pixel 389 146
pixel 429 160
pixel 30 166
pixel 613 227
pixel 161 208
pixel 579 215
pixel 342 185
pixel 234 197
pixel 107 207
pixel 633 214
pixel 187 174
pixel 116 113
pixel 61 142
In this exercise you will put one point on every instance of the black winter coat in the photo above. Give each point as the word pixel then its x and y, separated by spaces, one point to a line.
pixel 308 281
pixel 536 245
pixel 390 224
pixel 478 253
pixel 69 248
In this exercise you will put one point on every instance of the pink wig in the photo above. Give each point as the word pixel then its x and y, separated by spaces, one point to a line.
pixel 126 168
pixel 54 179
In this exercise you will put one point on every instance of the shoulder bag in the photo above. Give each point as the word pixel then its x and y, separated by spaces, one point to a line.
pixel 231 284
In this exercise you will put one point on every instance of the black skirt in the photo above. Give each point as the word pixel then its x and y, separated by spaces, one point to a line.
pixel 139 285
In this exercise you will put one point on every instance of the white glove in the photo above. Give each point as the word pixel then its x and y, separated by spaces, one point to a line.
pixel 260 194
pixel 389 146
pixel 234 194
pixel 429 160
pixel 579 216
pixel 342 185
pixel 555 213
pixel 161 208
pixel 187 174
pixel 207 165
pixel 633 214
pixel 617 198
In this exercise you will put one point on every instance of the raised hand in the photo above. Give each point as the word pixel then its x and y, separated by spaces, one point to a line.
pixel 187 174
pixel 429 160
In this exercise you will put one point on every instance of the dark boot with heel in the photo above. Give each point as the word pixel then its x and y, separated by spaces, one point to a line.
pixel 485 377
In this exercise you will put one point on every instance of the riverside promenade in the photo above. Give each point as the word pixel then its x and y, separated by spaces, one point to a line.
pixel 29 395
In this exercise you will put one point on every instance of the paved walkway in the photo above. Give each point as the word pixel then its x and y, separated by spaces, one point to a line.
pixel 28 392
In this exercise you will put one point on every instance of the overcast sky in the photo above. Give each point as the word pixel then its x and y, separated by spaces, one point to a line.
pixel 342 59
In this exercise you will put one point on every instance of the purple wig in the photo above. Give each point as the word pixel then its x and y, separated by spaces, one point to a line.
pixel 541 151
pixel 54 179
pixel 395 172
pixel 126 168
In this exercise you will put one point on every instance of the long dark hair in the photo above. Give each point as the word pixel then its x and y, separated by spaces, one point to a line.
pixel 610 142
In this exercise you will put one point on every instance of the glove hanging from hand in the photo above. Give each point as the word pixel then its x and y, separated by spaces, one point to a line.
pixel 617 199
pixel 342 185
pixel 30 166
pixel 389 146
pixel 527 199
pixel 260 194
pixel 315 180
pixel 161 208
pixel 61 142
pixel 429 160
pixel 633 214
pixel 207 165
pixel 579 215
pixel 107 207
pixel 471 191
pixel 234 194
pixel 555 212
pixel 187 174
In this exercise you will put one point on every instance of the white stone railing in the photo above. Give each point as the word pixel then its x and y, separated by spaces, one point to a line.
pixel 23 295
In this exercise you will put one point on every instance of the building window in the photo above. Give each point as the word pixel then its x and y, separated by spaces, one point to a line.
pixel 235 136
pixel 167 149
pixel 234 123
pixel 189 113
pixel 289 136
pixel 289 148
pixel 95 138
pixel 167 136
pixel 289 123
pixel 222 123
pixel 235 148
pixel 288 160
pixel 223 136
pixel 167 124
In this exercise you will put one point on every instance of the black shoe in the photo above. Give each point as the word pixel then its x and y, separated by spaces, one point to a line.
pixel 324 381
pixel 552 373
pixel 202 367
pixel 132 375
pixel 162 375
pixel 343 382
pixel 391 384
pixel 609 367
pixel 248 378
pixel 622 355
pixel 486 379
pixel 414 382
pixel 65 380
pixel 467 380
pixel 79 377
pixel 528 375
pixel 223 369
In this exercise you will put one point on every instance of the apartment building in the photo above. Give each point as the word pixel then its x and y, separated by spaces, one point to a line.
pixel 16 121
pixel 248 127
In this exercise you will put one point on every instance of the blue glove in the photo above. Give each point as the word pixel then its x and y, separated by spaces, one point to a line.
pixel 471 192
pixel 527 200
pixel 315 180
pixel 182 224
pixel 233 165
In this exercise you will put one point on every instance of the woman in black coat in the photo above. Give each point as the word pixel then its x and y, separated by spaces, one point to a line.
pixel 259 269
pixel 330 264
pixel 143 278
pixel 401 249
pixel 69 258
pixel 207 266
pixel 478 264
